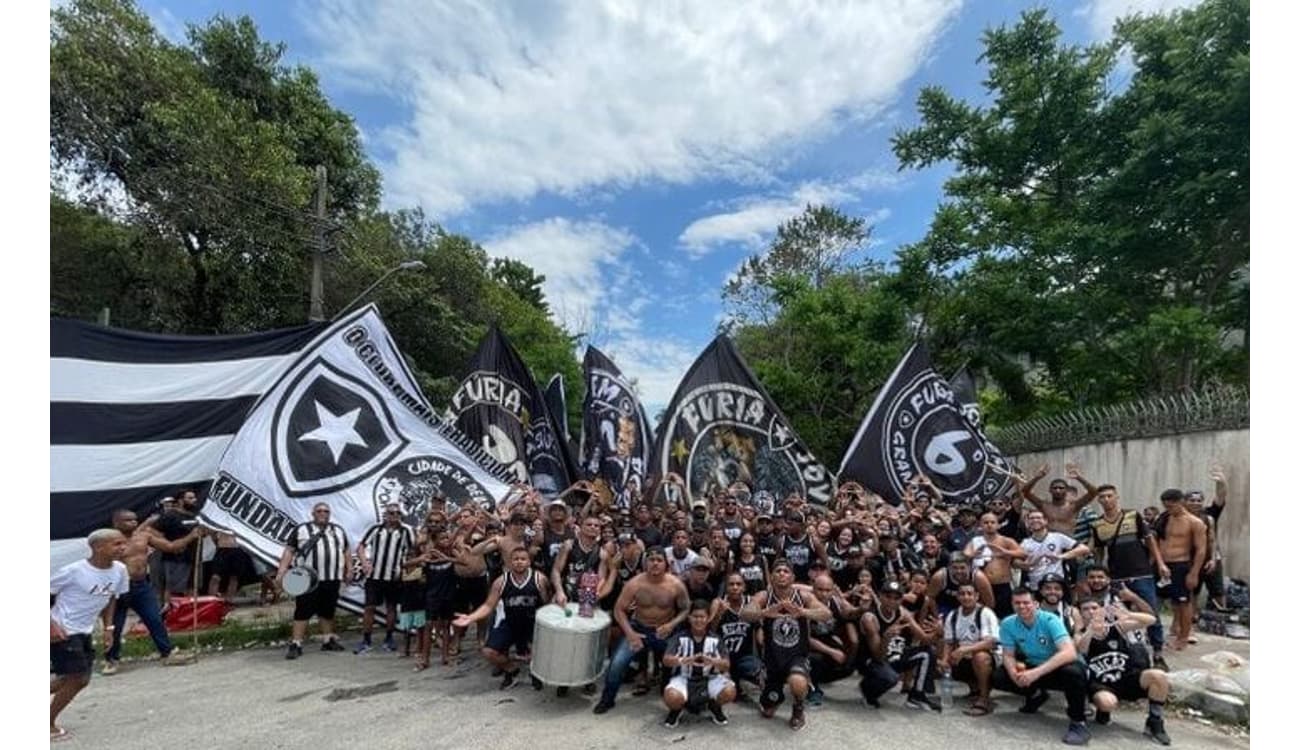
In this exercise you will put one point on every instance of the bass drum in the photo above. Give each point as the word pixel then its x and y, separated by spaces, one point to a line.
pixel 299 581
pixel 569 650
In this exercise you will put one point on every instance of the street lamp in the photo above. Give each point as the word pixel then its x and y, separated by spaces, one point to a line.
pixel 407 265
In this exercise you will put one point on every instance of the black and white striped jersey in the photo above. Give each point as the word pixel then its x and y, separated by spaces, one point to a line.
pixel 385 549
pixel 327 553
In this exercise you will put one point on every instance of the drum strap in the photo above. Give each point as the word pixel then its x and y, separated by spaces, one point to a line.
pixel 299 555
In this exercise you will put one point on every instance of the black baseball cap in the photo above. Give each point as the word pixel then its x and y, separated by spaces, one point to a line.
pixel 891 587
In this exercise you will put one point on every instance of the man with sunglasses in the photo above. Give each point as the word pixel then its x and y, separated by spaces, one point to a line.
pixel 323 546
pixel 382 550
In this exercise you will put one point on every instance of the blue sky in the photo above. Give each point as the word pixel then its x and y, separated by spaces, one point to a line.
pixel 636 153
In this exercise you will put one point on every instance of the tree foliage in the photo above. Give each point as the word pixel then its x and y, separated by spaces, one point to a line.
pixel 193 209
pixel 1092 245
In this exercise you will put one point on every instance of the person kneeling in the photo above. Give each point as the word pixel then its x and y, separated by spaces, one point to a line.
pixel 1116 669
pixel 970 637
pixel 1038 655
pixel 700 678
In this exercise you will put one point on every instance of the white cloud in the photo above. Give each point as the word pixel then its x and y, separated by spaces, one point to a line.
pixel 573 256
pixel 1102 14
pixel 512 99
pixel 755 218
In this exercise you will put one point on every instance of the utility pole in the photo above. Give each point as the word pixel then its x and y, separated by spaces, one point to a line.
pixel 317 310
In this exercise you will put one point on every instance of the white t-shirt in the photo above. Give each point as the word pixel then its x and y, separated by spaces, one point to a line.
pixel 963 629
pixel 1045 556
pixel 82 591
pixel 680 567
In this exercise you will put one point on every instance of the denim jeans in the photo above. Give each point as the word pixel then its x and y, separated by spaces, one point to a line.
pixel 144 601
pixel 1145 587
pixel 623 656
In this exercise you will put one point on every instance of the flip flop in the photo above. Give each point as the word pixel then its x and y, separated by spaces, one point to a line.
pixel 977 709
pixel 60 735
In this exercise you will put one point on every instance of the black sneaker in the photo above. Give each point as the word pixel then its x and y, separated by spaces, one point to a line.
pixel 602 707
pixel 719 718
pixel 1034 702
pixel 873 702
pixel 1102 718
pixel 294 651
pixel 921 701
pixel 508 679
pixel 1077 734
pixel 332 645
pixel 1155 729
pixel 796 717
pixel 589 689
pixel 562 692
pixel 673 718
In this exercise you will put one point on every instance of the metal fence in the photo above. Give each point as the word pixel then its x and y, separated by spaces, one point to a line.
pixel 1222 408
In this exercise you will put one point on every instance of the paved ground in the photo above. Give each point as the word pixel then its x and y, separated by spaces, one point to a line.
pixel 256 699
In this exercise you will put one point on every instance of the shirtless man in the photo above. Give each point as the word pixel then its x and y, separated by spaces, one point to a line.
pixel 1181 536
pixel 514 538
pixel 785 609
pixel 661 605
pixel 993 553
pixel 141 540
pixel 1061 512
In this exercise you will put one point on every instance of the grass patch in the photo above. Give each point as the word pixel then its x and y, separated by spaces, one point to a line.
pixel 232 635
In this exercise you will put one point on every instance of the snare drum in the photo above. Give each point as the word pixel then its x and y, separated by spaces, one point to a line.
pixel 569 650
pixel 299 580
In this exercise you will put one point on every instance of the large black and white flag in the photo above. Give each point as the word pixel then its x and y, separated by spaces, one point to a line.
pixel 559 406
pixel 722 427
pixel 499 405
pixel 616 436
pixel 917 426
pixel 136 416
pixel 345 424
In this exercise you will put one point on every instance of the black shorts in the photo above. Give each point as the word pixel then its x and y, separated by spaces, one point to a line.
pixel 1002 600
pixel 1129 687
pixel 232 562
pixel 1176 591
pixel 502 636
pixel 779 670
pixel 73 656
pixel 438 607
pixel 319 602
pixel 383 593
pixel 412 596
pixel 470 592
pixel 965 671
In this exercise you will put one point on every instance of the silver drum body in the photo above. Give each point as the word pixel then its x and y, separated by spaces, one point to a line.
pixel 569 650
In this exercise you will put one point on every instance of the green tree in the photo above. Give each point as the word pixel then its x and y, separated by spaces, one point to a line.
pixel 521 279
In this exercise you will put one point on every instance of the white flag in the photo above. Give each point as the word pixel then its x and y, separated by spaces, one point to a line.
pixel 345 424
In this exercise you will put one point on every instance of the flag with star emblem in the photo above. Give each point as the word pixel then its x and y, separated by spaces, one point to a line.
pixel 917 425
pixel 499 405
pixel 616 436
pixel 345 424
pixel 135 417
pixel 722 427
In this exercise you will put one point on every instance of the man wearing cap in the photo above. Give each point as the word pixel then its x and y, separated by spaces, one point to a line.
pixel 730 519
pixel 653 605
pixel 1039 655
pixel 892 561
pixel 895 643
pixel 966 528
pixel 1051 598
pixel 697 579
pixel 766 537
pixel 785 610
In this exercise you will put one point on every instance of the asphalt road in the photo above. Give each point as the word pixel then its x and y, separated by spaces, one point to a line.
pixel 256 699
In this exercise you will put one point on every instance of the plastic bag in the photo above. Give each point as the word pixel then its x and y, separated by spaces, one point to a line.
pixel 1229 668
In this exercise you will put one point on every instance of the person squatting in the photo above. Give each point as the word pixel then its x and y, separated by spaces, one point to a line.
pixel 788 597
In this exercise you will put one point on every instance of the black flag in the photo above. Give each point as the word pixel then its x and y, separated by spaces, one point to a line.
pixel 963 387
pixel 616 436
pixel 559 406
pixel 917 426
pixel 721 426
pixel 499 405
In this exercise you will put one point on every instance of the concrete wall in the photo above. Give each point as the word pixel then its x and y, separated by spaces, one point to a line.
pixel 1142 469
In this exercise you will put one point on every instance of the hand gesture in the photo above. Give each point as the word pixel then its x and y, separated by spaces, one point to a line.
pixel 1072 471
pixel 1042 471
pixel 635 642
pixel 1217 475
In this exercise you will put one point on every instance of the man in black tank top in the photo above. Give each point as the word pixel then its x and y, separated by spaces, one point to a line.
pixel 1117 669
pixel 785 609
pixel 766 538
pixel 512 602
pixel 731 521
pixel 697 580
pixel 895 643
pixel 797 548
pixel 556 532
pixel 833 644
pixel 579 555
pixel 737 633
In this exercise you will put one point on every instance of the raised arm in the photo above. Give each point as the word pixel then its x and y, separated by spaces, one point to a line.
pixel 1072 472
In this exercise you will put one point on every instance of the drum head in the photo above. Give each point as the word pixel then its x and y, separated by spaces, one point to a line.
pixel 299 581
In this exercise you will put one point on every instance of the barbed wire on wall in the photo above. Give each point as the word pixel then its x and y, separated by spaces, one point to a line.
pixel 1219 408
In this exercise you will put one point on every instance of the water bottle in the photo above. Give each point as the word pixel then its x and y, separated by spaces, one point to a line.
pixel 945 690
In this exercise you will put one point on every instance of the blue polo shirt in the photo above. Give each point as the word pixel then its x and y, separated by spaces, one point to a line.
pixel 1035 643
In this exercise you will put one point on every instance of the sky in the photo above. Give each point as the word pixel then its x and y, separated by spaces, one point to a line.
pixel 636 153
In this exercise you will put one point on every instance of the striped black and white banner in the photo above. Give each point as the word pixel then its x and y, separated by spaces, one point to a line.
pixel 135 416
